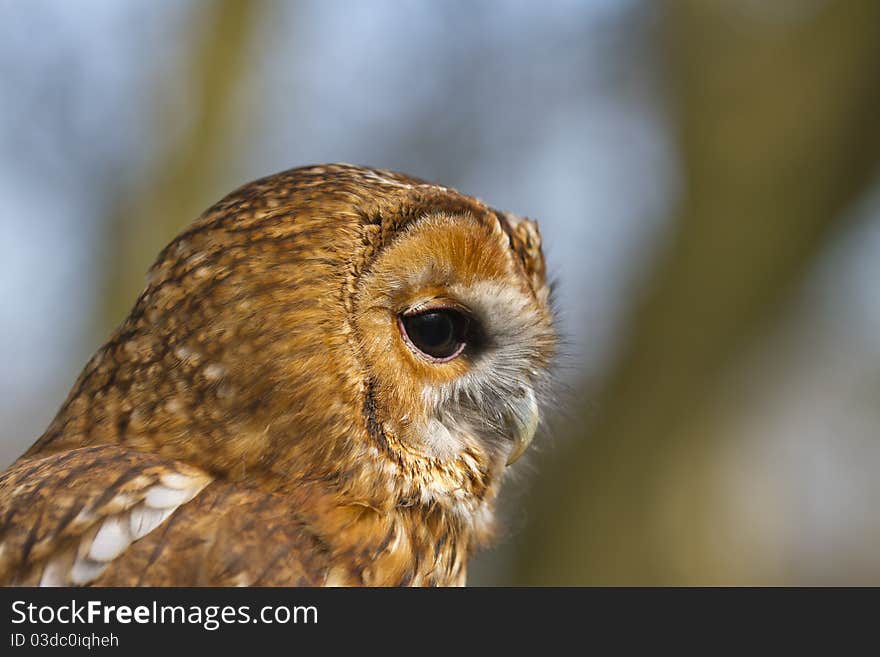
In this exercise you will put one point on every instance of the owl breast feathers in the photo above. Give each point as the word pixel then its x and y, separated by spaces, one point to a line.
pixel 321 384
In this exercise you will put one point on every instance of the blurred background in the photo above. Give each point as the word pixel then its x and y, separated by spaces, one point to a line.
pixel 705 175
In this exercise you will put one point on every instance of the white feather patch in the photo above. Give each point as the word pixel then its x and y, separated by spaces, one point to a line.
pixel 53 575
pixel 440 441
pixel 163 497
pixel 142 520
pixel 111 540
pixel 105 542
pixel 177 481
pixel 242 579
pixel 86 570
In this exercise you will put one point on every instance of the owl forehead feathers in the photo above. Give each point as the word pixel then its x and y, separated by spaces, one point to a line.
pixel 385 203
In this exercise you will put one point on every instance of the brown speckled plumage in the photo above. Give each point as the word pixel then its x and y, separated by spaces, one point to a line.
pixel 259 407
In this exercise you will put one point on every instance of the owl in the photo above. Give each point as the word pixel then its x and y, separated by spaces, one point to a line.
pixel 322 383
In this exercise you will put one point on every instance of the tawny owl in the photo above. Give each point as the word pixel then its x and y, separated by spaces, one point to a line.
pixel 322 384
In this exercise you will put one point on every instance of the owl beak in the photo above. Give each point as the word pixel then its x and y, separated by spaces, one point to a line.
pixel 525 423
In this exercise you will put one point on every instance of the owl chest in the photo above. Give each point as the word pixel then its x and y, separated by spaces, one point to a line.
pixel 400 552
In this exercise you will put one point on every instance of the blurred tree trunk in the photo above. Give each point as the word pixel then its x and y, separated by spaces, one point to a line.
pixel 779 134
pixel 195 130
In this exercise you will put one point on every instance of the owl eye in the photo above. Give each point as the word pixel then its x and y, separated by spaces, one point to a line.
pixel 439 334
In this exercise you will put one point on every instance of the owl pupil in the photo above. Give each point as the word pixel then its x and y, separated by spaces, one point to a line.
pixel 434 329
pixel 439 334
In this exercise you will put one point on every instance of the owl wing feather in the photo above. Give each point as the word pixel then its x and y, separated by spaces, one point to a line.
pixel 112 516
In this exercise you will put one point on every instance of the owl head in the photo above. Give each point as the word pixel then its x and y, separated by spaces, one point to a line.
pixel 387 337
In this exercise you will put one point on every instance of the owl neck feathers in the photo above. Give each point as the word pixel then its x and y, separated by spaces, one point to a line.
pixel 351 478
pixel 367 476
pixel 411 524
